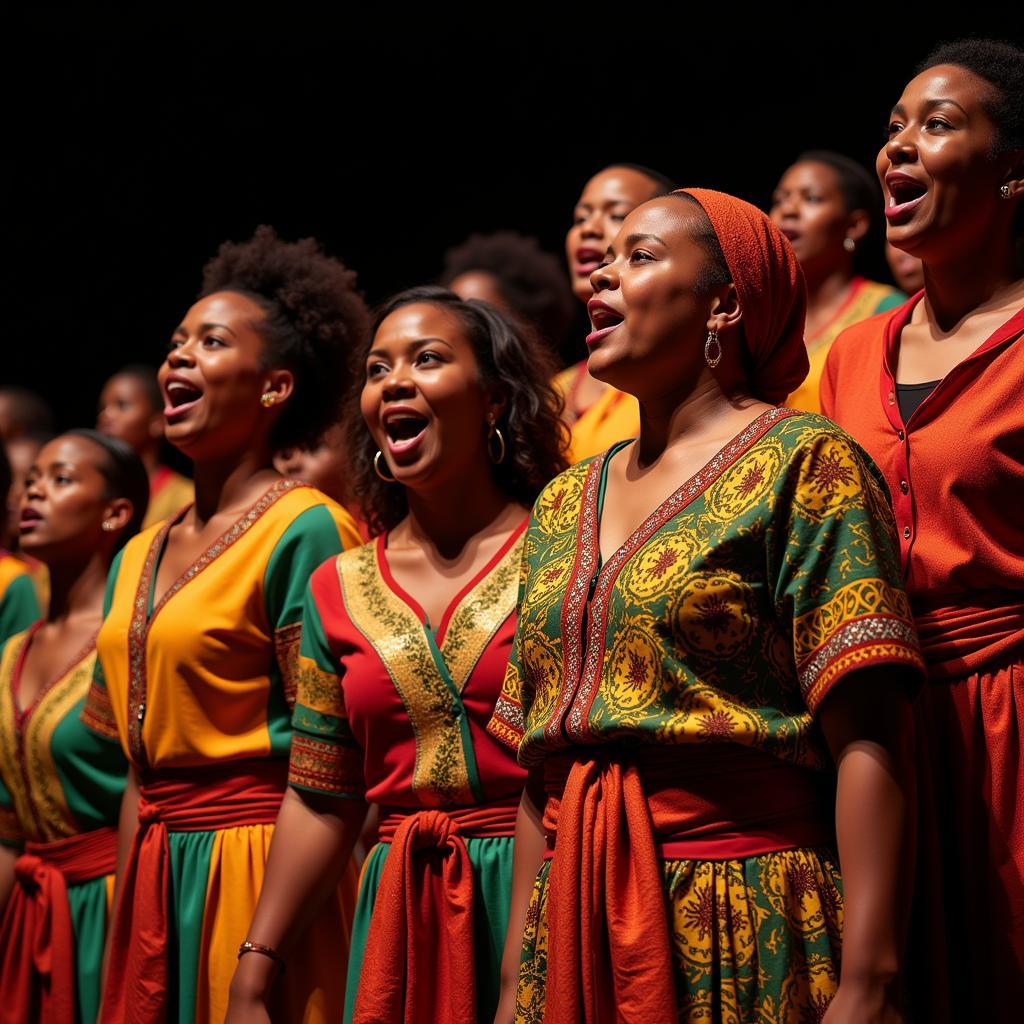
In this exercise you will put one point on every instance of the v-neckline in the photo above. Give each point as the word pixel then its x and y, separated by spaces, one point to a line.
pixel 690 489
pixel 438 633
pixel 23 714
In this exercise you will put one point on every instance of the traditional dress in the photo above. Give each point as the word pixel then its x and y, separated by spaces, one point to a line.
pixel 393 710
pixel 864 298
pixel 614 417
pixel 169 492
pixel 955 469
pixel 19 602
pixel 668 696
pixel 197 684
pixel 60 794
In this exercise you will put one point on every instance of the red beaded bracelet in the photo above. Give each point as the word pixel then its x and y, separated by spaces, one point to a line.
pixel 258 947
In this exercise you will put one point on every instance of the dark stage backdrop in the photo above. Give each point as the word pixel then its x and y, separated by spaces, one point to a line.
pixel 134 148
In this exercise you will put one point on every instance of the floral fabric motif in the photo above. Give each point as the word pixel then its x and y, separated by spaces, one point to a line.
pixel 728 615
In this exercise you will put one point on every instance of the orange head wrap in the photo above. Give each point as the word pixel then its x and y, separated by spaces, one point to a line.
pixel 771 291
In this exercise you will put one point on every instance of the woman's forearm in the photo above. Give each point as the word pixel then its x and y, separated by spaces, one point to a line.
pixel 8 858
pixel 313 839
pixel 527 857
pixel 869 728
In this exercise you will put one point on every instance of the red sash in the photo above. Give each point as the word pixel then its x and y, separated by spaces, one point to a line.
pixel 37 946
pixel 208 798
pixel 960 639
pixel 418 966
pixel 618 812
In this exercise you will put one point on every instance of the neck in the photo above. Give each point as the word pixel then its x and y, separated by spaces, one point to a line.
pixel 151 460
pixel 703 414
pixel 826 285
pixel 954 289
pixel 226 482
pixel 76 588
pixel 447 517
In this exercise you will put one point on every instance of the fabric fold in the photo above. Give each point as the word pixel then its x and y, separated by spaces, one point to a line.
pixel 189 800
pixel 37 949
pixel 419 962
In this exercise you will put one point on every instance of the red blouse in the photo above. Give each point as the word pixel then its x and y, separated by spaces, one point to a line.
pixel 956 475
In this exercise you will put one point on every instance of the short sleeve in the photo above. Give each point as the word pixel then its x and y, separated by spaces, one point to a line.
pixel 325 757
pixel 834 566
pixel 315 535
pixel 508 722
pixel 98 714
pixel 19 606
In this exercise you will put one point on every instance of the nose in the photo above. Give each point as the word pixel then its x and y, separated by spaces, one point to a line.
pixel 397 384
pixel 787 206
pixel 901 147
pixel 591 226
pixel 34 489
pixel 604 278
pixel 180 355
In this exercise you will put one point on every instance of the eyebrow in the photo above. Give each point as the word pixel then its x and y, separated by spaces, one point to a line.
pixel 209 327
pixel 642 237
pixel 417 344
pixel 931 105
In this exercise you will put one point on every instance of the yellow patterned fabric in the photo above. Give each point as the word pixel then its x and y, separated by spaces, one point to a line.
pixel 754 941
pixel 865 298
pixel 727 616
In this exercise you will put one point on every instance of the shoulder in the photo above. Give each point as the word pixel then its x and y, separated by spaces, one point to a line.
pixel 11 568
pixel 861 343
pixel 558 504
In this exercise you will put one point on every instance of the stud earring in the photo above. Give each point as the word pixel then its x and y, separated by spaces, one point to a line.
pixel 849 244
pixel 712 358
pixel 267 399
pixel 1004 191
pixel 376 468
pixel 107 525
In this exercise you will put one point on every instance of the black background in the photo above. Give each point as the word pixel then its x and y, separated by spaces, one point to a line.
pixel 134 147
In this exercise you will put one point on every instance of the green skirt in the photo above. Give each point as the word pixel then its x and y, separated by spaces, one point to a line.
pixel 87 902
pixel 492 884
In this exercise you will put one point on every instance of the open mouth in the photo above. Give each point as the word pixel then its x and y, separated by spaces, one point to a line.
pixel 791 233
pixel 180 394
pixel 405 430
pixel 604 320
pixel 587 261
pixel 28 519
pixel 904 194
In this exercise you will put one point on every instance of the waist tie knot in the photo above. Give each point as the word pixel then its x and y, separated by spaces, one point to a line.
pixel 207 798
pixel 418 966
pixel 36 938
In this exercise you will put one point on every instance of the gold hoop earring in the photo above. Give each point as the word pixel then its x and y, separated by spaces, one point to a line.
pixel 377 470
pixel 267 399
pixel 716 358
pixel 492 434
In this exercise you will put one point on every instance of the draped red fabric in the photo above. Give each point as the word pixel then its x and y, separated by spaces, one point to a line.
pixel 418 967
pixel 37 950
pixel 614 814
pixel 192 800
pixel 771 290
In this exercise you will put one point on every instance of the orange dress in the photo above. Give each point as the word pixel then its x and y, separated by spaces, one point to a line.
pixel 614 417
pixel 955 470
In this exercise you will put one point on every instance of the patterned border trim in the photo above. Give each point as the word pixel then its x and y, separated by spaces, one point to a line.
pixel 138 630
pixel 325 767
pixel 507 723
pixel 576 724
pixel 868 640
pixel 587 554
pixel 287 641
pixel 98 713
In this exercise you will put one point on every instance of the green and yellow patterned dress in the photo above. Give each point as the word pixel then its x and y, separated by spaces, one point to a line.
pixel 669 698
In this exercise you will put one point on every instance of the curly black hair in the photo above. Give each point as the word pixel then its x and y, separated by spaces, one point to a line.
pixel 315 319
pixel 125 475
pixel 531 281
pixel 1001 64
pixel 508 357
